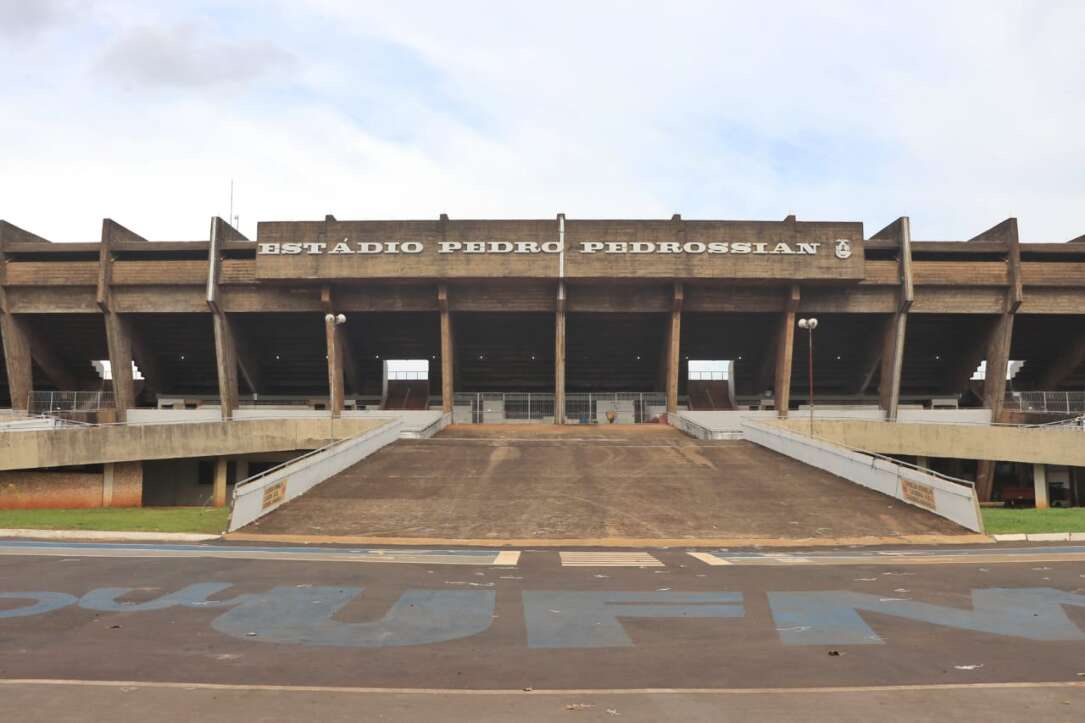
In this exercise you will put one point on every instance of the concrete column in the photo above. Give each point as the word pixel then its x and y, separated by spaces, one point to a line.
pixel 119 340
pixel 674 361
pixel 218 496
pixel 448 354
pixel 994 393
pixel 892 365
pixel 17 360
pixel 334 335
pixel 924 462
pixel 785 348
pixel 1039 482
pixel 122 484
pixel 559 357
pixel 226 362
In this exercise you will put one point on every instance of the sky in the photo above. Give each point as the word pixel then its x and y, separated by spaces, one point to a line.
pixel 956 114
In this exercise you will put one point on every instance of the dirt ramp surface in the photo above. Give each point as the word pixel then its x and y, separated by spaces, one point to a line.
pixel 579 482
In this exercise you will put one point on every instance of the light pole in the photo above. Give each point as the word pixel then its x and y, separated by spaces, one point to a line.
pixel 810 324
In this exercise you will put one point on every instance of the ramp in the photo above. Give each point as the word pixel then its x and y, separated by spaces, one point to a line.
pixel 546 482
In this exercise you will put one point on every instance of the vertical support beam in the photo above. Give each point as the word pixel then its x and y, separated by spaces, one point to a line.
pixel 1039 484
pixel 892 357
pixel 118 334
pixel 448 374
pixel 559 356
pixel 14 334
pixel 226 363
pixel 118 330
pixel 334 334
pixel 674 347
pixel 999 341
pixel 222 469
pixel 892 364
pixel 230 353
pixel 785 347
pixel 17 360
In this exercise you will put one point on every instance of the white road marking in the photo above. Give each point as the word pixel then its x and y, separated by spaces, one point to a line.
pixel 608 559
pixel 536 691
pixel 417 557
pixel 709 559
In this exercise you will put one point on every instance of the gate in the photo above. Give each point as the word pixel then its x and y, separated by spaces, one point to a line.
pixel 532 407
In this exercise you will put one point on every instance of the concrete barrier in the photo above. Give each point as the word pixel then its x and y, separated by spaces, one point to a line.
pixel 259 495
pixel 33 448
pixel 929 491
pixel 1063 446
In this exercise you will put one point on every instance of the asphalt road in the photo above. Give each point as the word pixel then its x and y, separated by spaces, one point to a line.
pixel 106 632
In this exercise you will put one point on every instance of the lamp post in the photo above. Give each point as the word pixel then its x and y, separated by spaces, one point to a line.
pixel 810 324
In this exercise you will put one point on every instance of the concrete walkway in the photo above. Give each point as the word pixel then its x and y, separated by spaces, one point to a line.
pixel 591 485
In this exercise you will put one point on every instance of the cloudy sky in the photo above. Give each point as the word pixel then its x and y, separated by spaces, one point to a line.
pixel 957 114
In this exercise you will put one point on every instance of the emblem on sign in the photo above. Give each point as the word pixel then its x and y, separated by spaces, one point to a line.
pixel 843 249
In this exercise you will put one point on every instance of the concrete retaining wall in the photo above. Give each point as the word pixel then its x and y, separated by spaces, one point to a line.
pixel 119 485
pixel 944 498
pixel 958 441
pixel 254 499
pixel 33 449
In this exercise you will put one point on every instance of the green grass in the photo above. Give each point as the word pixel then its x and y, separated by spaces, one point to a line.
pixel 208 520
pixel 1000 520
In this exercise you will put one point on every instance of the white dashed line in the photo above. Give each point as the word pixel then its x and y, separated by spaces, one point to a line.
pixel 608 559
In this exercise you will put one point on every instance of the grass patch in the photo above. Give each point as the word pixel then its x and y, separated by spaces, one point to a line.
pixel 207 520
pixel 999 521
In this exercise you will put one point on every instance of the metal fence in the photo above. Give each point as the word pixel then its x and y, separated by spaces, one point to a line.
pixel 1058 402
pixel 512 407
pixel 66 402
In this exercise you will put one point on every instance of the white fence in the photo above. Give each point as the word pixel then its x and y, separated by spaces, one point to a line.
pixel 1057 402
pixel 262 493
pixel 945 497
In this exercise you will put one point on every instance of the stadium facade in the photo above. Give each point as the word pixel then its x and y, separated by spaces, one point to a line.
pixel 555 311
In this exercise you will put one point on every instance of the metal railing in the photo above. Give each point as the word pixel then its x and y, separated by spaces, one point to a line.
pixel 1056 402
pixel 62 402
pixel 498 407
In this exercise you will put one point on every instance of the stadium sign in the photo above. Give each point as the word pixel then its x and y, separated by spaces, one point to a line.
pixel 842 247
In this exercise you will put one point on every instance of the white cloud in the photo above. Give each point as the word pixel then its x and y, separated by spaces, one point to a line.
pixel 957 116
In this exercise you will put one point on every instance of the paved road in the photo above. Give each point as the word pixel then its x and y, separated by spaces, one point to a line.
pixel 261 634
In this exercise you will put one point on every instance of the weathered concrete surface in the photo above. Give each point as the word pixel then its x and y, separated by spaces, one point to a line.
pixel 962 441
pixel 48 702
pixel 572 482
pixel 33 449
pixel 180 644
pixel 119 485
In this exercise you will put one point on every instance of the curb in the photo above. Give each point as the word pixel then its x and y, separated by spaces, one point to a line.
pixel 103 535
pixel 611 542
pixel 1041 537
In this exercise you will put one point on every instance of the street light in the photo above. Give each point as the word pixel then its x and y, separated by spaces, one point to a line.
pixel 810 324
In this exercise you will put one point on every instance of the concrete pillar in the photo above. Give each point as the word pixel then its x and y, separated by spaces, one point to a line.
pixel 1039 482
pixel 994 393
pixel 559 357
pixel 17 360
pixel 674 348
pixel 334 334
pixel 119 340
pixel 785 348
pixel 923 462
pixel 122 484
pixel 892 365
pixel 218 495
pixel 448 354
pixel 226 361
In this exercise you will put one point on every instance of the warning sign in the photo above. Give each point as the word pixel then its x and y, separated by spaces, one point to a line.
pixel 919 494
pixel 274 494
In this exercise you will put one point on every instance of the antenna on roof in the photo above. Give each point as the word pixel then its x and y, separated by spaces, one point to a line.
pixel 234 219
